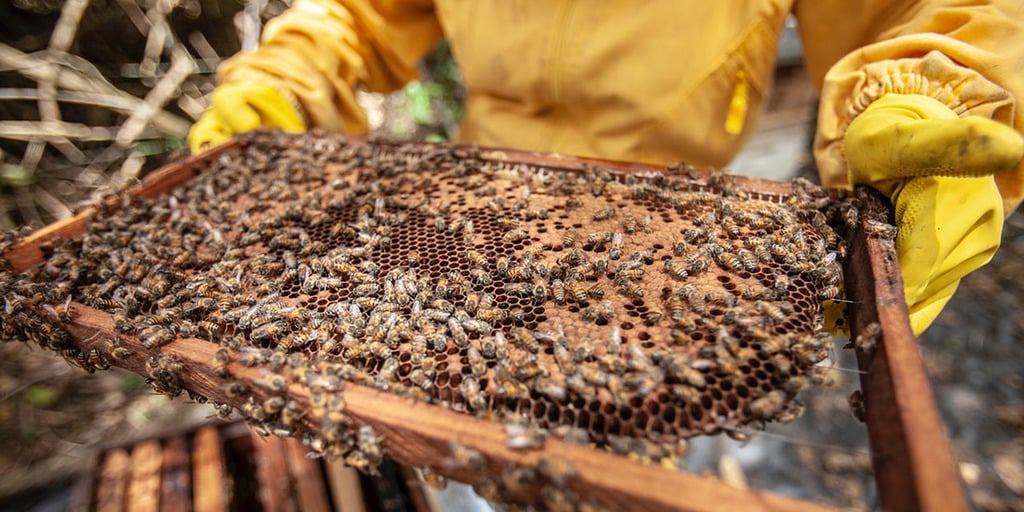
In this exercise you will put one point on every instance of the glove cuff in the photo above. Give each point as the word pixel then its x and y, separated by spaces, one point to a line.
pixel 852 85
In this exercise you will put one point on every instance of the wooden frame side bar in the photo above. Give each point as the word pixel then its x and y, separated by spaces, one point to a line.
pixel 913 463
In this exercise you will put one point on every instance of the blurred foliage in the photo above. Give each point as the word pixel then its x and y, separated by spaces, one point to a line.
pixel 428 109
pixel 40 396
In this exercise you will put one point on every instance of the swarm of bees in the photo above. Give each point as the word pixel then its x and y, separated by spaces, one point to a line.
pixel 622 307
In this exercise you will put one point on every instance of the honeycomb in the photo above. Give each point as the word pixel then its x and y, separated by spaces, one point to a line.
pixel 650 307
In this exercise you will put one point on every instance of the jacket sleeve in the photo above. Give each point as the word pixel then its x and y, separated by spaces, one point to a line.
pixel 968 55
pixel 319 52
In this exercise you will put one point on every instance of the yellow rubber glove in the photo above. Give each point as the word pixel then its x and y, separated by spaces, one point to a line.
pixel 937 169
pixel 238 107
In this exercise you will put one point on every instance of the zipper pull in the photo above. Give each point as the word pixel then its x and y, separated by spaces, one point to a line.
pixel 737 115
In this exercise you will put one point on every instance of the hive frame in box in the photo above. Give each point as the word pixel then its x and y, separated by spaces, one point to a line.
pixel 913 463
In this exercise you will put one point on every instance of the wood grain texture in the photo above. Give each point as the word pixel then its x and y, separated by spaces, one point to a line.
pixel 913 463
pixel 110 490
pixel 274 477
pixel 209 473
pixel 176 476
pixel 144 484
pixel 310 491
pixel 346 492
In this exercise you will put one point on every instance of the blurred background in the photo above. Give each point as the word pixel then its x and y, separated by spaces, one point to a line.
pixel 95 94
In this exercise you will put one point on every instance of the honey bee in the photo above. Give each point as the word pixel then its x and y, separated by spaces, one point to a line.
pixel 730 261
pixel 252 356
pixel 477 258
pixel 522 437
pixel 675 269
pixel 857 406
pixel 867 340
pixel 268 331
pixel 688 394
pixel 791 413
pixel 558 291
pixel 693 296
pixel 605 214
pixel 730 227
pixel 291 413
pixel 721 296
pixel 630 274
pixel 771 310
pixel 275 383
pixel 220 362
pixel 155 336
pixel 235 389
pixel 631 289
pixel 569 238
pixel 515 235
pixel 796 385
pixel 463 458
pixel 558 470
pixel 491 315
pixel 599 313
pixel 653 317
pixel 678 247
pixel 747 259
pixel 782 283
pixel 117 352
pixel 876 229
pixel 768 405
pixel 617 244
pixel 525 339
pixel 273 405
pixel 472 394
pixel 696 262
pixel 674 304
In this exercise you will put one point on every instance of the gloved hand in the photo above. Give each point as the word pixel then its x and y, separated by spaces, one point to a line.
pixel 937 169
pixel 238 107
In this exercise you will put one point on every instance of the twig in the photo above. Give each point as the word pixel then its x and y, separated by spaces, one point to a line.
pixel 203 47
pixel 67 26
pixel 31 130
pixel 251 24
pixel 81 76
pixel 108 101
pixel 51 204
pixel 33 154
pixel 156 39
pixel 27 207
pixel 181 67
pixel 135 15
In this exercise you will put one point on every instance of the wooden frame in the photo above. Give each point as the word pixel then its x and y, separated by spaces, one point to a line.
pixel 914 466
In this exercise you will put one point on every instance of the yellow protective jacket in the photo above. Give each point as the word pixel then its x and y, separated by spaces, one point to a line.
pixel 656 81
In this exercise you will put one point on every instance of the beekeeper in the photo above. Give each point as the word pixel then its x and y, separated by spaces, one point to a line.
pixel 918 99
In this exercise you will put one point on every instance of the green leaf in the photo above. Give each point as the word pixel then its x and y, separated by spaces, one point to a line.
pixel 40 396
pixel 132 384
pixel 15 176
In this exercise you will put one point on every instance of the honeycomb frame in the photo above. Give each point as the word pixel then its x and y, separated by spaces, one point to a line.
pixel 53 334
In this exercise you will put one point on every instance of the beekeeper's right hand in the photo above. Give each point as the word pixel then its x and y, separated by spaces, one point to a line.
pixel 238 107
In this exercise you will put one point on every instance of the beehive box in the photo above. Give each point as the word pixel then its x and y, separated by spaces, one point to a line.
pixel 228 467
pixel 549 297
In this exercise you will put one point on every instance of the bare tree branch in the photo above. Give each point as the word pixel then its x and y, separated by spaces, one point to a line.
pixel 182 66
pixel 77 79
pixel 33 130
